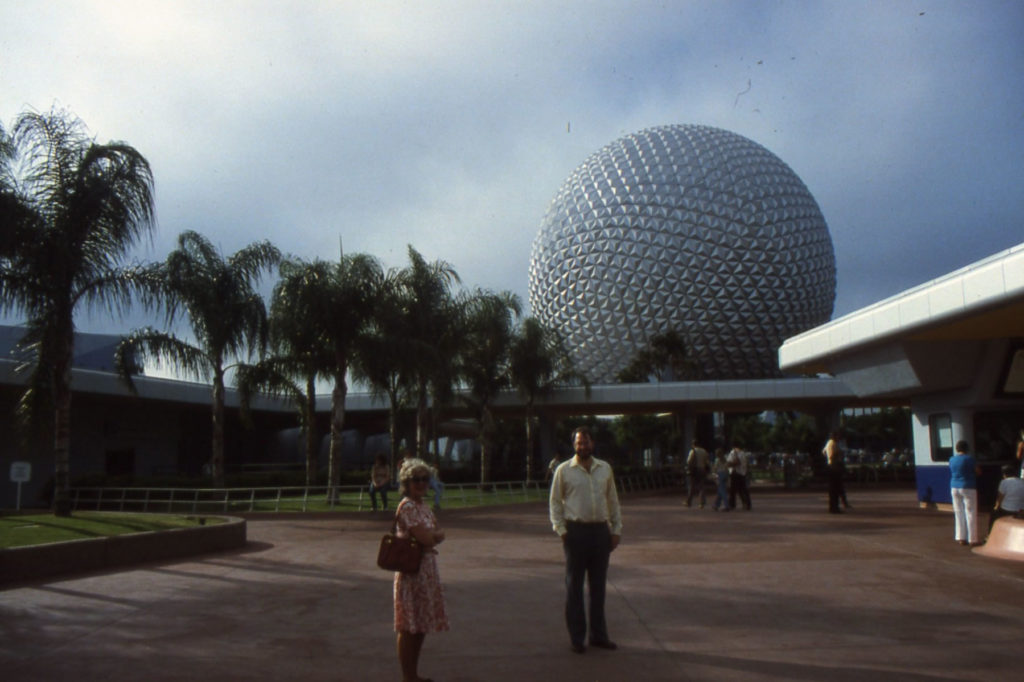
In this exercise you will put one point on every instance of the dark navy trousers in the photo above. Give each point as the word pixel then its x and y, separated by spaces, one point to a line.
pixel 587 549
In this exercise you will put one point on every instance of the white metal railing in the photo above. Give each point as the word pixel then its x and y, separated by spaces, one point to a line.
pixel 321 498
pixel 211 500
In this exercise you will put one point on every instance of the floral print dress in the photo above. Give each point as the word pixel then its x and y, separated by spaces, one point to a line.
pixel 419 597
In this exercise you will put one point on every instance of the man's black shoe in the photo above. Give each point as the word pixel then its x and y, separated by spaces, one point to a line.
pixel 578 648
pixel 604 644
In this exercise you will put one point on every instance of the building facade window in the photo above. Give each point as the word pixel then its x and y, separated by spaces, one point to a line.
pixel 941 428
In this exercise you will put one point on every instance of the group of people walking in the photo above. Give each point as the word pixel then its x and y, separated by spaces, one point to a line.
pixel 730 474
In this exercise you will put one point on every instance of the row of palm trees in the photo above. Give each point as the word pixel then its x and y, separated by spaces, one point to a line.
pixel 71 210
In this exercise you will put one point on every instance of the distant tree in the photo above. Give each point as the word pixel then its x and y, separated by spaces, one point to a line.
pixel 301 353
pixel 749 432
pixel 70 209
pixel 349 288
pixel 227 316
pixel 793 433
pixel 664 358
pixel 383 361
pixel 444 377
pixel 488 332
pixel 539 362
pixel 432 318
pixel 635 433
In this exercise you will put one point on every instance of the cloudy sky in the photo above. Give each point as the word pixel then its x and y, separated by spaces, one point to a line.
pixel 451 125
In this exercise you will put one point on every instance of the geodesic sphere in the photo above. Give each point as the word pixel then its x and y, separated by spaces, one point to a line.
pixel 683 228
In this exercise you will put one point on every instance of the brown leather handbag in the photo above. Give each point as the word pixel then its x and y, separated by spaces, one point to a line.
pixel 396 553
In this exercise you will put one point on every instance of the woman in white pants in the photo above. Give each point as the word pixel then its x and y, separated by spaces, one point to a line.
pixel 963 484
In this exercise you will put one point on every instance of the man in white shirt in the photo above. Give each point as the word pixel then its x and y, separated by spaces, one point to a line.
pixel 585 513
pixel 738 465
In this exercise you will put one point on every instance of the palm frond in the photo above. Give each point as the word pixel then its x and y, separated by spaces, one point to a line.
pixel 117 290
pixel 273 377
pixel 226 314
pixel 50 146
pixel 149 343
pixel 251 261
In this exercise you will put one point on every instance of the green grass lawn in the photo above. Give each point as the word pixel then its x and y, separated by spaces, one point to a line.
pixel 38 529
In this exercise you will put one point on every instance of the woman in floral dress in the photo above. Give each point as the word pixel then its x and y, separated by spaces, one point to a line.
pixel 419 597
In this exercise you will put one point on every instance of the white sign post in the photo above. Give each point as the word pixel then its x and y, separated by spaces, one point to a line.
pixel 21 472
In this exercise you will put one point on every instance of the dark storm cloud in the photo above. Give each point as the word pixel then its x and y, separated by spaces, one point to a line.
pixel 451 125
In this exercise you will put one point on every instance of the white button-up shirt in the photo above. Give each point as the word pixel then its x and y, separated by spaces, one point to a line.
pixel 587 496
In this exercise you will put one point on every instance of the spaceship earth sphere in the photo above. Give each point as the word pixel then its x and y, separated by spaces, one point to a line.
pixel 683 228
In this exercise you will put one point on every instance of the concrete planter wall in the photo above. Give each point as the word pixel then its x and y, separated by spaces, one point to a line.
pixel 77 556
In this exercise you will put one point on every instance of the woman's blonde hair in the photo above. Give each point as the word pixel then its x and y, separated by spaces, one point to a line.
pixel 409 469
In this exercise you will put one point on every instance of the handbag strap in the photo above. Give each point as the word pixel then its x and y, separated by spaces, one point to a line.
pixel 394 525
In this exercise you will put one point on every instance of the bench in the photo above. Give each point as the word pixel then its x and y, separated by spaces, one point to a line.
pixel 1006 541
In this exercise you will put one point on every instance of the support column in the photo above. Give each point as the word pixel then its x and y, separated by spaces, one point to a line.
pixel 718 431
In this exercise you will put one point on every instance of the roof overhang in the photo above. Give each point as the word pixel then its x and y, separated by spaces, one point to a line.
pixel 927 339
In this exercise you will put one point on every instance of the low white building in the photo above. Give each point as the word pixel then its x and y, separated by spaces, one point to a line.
pixel 953 348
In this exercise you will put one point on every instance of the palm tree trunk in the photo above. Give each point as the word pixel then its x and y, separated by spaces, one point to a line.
pixel 486 440
pixel 529 440
pixel 62 434
pixel 437 445
pixel 421 420
pixel 434 429
pixel 393 431
pixel 393 439
pixel 217 454
pixel 311 439
pixel 337 426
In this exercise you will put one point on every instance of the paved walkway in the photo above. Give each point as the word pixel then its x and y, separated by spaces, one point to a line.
pixel 785 592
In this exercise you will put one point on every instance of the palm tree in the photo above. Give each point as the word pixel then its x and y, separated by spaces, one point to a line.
pixel 538 363
pixel 349 288
pixel 488 329
pixel 383 360
pixel 430 316
pixel 445 375
pixel 227 316
pixel 12 208
pixel 301 353
pixel 71 209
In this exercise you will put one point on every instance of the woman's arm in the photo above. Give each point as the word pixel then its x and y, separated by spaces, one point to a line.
pixel 427 536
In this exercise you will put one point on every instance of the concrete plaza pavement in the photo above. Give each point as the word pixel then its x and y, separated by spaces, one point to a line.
pixel 784 592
